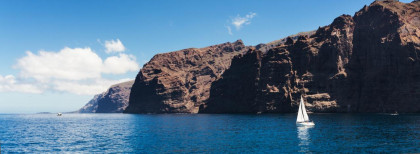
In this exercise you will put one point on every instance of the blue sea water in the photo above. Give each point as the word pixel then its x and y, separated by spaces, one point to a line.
pixel 206 133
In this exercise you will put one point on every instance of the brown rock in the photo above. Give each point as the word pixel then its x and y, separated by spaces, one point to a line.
pixel 114 100
pixel 365 63
pixel 236 90
pixel 384 72
pixel 91 106
pixel 276 78
pixel 179 82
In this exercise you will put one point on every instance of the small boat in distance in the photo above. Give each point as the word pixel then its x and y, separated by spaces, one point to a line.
pixel 302 117
pixel 395 113
pixel 59 114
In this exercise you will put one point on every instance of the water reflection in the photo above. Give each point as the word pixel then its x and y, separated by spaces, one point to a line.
pixel 304 138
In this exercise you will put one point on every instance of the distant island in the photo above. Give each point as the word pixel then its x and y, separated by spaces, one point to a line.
pixel 368 62
pixel 44 113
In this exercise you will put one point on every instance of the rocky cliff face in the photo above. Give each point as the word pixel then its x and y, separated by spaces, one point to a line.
pixel 179 82
pixel 384 72
pixel 368 63
pixel 267 46
pixel 91 106
pixel 277 77
pixel 235 91
pixel 114 100
pixel 365 63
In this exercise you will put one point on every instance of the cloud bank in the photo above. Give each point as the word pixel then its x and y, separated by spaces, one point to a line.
pixel 73 70
pixel 9 83
pixel 114 46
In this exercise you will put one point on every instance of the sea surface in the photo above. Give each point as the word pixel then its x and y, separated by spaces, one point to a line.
pixel 209 133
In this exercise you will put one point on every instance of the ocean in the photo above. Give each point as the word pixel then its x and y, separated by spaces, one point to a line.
pixel 208 133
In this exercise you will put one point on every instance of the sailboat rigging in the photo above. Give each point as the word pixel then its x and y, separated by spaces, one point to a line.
pixel 302 117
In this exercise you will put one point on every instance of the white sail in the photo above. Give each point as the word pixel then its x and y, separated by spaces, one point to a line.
pixel 305 115
pixel 302 115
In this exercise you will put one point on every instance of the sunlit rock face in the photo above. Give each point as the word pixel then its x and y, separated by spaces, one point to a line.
pixel 365 63
pixel 368 63
pixel 179 82
pixel 273 81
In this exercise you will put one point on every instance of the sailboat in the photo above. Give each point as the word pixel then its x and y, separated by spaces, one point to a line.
pixel 395 113
pixel 303 118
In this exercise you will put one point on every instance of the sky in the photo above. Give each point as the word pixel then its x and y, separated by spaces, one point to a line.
pixel 56 55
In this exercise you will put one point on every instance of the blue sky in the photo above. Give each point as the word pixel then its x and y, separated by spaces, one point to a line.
pixel 36 35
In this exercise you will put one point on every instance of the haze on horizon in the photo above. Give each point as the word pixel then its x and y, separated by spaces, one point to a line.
pixel 57 54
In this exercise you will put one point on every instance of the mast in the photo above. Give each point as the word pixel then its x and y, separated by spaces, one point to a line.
pixel 305 115
pixel 302 114
pixel 300 117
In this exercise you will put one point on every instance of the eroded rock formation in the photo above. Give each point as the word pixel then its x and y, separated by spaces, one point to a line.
pixel 179 82
pixel 365 63
pixel 384 72
pixel 368 63
pixel 91 106
pixel 114 100
pixel 310 64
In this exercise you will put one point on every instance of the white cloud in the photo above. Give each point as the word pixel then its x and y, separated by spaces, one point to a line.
pixel 229 30
pixel 73 64
pixel 9 83
pixel 114 46
pixel 239 21
pixel 87 87
pixel 68 64
pixel 73 70
pixel 120 64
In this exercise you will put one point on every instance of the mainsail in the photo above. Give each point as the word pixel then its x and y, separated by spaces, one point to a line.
pixel 302 115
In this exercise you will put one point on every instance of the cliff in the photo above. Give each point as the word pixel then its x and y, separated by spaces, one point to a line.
pixel 114 100
pixel 384 70
pixel 91 106
pixel 365 63
pixel 179 82
pixel 277 77
pixel 267 46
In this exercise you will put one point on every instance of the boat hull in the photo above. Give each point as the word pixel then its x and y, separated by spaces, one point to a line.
pixel 310 123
